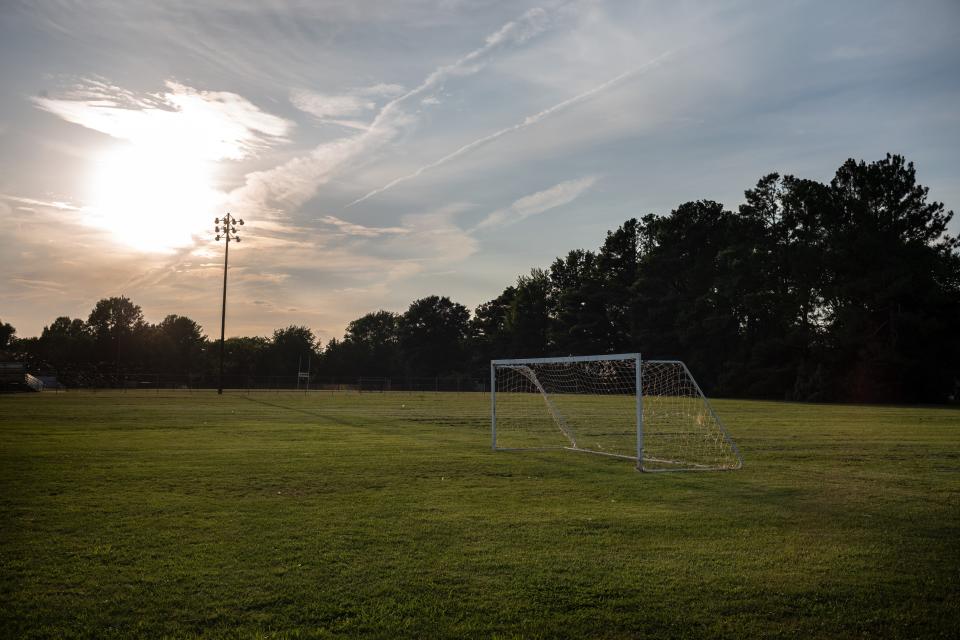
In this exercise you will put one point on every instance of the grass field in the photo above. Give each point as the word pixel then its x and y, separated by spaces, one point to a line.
pixel 386 515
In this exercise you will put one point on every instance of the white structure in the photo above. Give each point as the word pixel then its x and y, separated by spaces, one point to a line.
pixel 650 411
pixel 303 376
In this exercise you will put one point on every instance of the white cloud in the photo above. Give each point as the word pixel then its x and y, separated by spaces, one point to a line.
pixel 329 106
pixel 537 203
pixel 435 238
pixel 336 108
pixel 382 89
pixel 213 125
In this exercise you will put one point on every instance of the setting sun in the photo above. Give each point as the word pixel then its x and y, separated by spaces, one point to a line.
pixel 152 199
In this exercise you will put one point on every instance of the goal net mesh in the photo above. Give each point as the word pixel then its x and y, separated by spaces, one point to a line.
pixel 591 405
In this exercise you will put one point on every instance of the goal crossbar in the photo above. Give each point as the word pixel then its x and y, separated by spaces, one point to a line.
pixel 563 359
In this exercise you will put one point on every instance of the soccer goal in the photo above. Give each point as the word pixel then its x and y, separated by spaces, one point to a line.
pixel 650 411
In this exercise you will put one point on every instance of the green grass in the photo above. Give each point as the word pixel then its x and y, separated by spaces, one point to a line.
pixel 285 515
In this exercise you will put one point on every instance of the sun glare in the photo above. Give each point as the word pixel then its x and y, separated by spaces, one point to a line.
pixel 153 199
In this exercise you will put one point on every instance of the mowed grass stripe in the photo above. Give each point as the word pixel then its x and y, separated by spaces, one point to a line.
pixel 386 515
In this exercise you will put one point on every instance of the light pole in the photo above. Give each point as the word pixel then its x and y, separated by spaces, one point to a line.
pixel 228 233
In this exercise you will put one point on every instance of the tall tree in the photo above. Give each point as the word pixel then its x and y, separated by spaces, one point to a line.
pixel 244 358
pixel 489 335
pixel 619 265
pixel 7 333
pixel 893 298
pixel 341 359
pixel 685 312
pixel 117 323
pixel 527 321
pixel 780 272
pixel 578 322
pixel 290 347
pixel 179 344
pixel 433 336
pixel 66 344
pixel 374 342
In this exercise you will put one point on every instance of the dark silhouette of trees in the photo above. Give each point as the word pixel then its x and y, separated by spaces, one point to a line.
pixel 67 343
pixel 242 357
pixel 848 290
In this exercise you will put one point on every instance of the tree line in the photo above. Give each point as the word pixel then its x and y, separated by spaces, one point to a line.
pixel 847 290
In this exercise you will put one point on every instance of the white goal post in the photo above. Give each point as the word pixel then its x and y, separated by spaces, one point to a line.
pixel 649 411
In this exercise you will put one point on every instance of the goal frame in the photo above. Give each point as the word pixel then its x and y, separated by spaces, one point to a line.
pixel 638 392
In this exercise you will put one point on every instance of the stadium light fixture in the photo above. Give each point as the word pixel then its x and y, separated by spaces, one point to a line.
pixel 228 233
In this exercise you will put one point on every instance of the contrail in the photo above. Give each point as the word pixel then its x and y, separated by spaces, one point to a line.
pixel 295 181
pixel 526 122
pixel 528 25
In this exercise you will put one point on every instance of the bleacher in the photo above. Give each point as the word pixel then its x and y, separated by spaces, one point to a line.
pixel 14 377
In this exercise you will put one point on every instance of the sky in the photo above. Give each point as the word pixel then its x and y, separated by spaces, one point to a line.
pixel 380 152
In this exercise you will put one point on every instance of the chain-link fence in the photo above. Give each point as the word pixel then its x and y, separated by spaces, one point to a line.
pixel 147 381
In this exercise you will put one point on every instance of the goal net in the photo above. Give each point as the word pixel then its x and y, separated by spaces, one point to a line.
pixel 650 411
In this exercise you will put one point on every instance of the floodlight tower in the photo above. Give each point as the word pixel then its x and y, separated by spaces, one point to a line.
pixel 228 233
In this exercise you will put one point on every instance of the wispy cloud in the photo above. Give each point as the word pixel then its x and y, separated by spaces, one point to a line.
pixel 366 78
pixel 537 203
pixel 46 286
pixel 51 204
pixel 351 229
pixel 526 122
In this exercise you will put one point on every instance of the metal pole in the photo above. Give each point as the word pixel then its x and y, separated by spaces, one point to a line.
pixel 223 310
pixel 493 407
pixel 639 391
pixel 229 233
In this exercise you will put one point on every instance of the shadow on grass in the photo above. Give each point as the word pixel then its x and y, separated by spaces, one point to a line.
pixel 307 412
